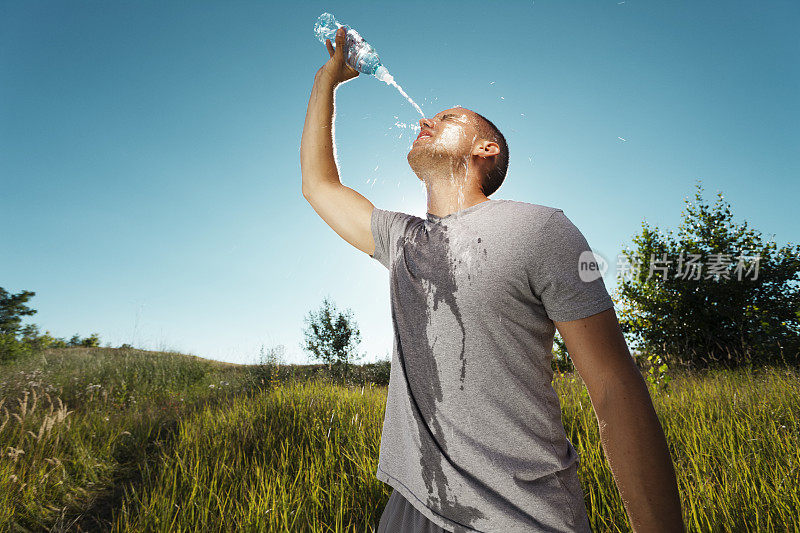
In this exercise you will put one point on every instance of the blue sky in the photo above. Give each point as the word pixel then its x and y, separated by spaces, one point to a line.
pixel 149 151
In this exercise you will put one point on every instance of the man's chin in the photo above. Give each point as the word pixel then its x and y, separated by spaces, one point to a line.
pixel 417 157
pixel 420 149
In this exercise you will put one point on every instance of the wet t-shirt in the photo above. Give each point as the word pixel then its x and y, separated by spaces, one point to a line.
pixel 472 434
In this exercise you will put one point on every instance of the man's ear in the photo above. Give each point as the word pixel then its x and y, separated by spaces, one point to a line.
pixel 486 149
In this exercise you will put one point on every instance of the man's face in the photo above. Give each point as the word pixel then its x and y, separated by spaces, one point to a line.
pixel 450 135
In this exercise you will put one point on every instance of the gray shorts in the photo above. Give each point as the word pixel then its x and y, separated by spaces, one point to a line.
pixel 399 516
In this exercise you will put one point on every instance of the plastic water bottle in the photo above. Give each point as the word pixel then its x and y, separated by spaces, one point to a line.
pixel 360 54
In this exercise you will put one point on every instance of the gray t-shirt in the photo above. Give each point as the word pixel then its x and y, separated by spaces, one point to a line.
pixel 472 434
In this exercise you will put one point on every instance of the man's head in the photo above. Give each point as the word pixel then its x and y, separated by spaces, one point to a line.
pixel 459 138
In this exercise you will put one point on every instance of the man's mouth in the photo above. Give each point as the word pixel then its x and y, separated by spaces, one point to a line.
pixel 423 133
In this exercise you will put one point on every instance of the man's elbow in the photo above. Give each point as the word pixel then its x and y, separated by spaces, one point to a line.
pixel 620 390
pixel 308 187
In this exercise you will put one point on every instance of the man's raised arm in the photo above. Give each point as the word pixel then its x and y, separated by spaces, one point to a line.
pixel 346 211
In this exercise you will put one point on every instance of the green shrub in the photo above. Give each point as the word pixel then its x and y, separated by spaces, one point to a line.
pixel 12 349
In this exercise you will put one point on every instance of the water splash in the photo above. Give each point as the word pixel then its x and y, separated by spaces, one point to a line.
pixel 419 110
pixel 409 130
pixel 464 244
pixel 450 135
pixel 407 125
pixel 384 76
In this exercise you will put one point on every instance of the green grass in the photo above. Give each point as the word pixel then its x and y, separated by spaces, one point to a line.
pixel 299 457
pixel 126 440
pixel 734 438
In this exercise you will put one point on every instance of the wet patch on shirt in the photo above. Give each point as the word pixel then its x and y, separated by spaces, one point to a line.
pixel 424 284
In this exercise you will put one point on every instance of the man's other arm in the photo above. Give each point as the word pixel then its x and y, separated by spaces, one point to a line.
pixel 630 431
pixel 346 211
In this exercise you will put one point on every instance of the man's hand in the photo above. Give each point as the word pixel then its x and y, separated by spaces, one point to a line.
pixel 336 70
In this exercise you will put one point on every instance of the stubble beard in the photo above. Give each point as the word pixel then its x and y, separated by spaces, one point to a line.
pixel 435 163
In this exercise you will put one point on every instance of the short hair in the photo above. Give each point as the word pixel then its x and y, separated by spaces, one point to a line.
pixel 494 178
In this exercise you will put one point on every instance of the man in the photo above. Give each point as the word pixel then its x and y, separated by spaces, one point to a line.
pixel 472 436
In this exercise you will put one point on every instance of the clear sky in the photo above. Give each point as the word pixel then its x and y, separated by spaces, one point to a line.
pixel 149 151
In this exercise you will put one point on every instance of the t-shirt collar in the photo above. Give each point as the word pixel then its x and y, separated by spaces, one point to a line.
pixel 458 214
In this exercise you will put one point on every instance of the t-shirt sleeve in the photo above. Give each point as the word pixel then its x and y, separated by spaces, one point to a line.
pixel 568 284
pixel 387 227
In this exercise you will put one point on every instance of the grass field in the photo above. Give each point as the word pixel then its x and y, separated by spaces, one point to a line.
pixel 126 440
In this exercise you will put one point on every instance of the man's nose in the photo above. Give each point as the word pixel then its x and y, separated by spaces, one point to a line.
pixel 425 123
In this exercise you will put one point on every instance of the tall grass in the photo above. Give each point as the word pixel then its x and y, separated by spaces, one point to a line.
pixel 734 438
pixel 124 440
pixel 300 458
pixel 79 424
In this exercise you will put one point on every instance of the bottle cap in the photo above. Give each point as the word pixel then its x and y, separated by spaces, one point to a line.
pixel 382 73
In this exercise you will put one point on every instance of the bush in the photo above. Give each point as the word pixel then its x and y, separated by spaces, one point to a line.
pixel 561 361
pixel 12 349
pixel 377 373
pixel 92 341
pixel 731 297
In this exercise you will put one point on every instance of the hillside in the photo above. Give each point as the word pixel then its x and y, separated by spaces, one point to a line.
pixel 129 440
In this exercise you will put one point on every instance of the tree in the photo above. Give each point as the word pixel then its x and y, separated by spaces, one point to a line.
pixel 17 341
pixel 332 337
pixel 744 307
pixel 12 309
pixel 92 341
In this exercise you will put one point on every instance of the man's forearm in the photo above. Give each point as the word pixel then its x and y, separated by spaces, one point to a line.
pixel 637 452
pixel 317 163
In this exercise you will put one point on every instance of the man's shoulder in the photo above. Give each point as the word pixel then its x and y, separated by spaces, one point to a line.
pixel 396 217
pixel 531 212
